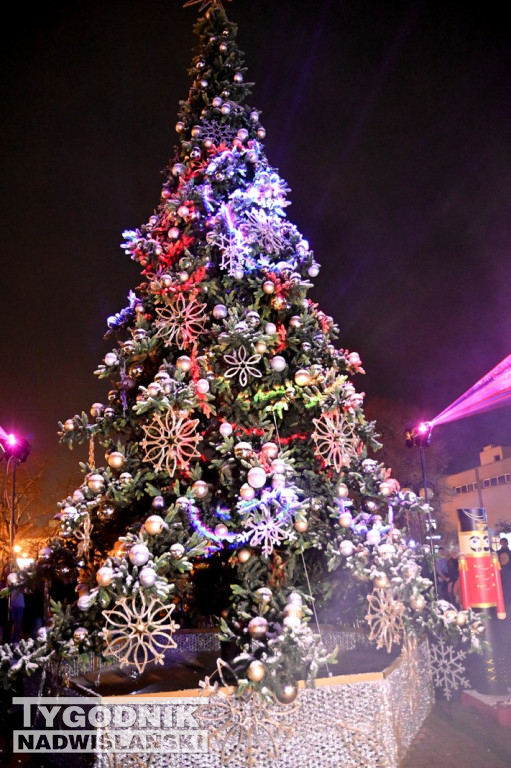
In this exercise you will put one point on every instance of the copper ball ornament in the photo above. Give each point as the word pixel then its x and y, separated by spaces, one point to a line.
pixel 269 286
pixel 69 425
pixel 418 602
pixel 345 519
pixel 154 525
pixel 184 363
pixel 104 576
pixel 260 347
pixel 287 693
pixel 96 483
pixel 381 581
pixel 244 555
pixel 97 410
pixel 200 489
pixel 301 525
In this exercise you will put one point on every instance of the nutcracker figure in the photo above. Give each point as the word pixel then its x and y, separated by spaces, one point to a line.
pixel 479 567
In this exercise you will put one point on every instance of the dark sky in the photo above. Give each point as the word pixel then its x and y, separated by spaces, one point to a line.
pixel 391 122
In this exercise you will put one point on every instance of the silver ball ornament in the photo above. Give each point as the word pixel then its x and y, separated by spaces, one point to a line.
pixel 225 429
pixel 278 363
pixel 147 577
pixel 139 554
pixel 243 451
pixel 202 386
pixel 219 311
pixel 177 550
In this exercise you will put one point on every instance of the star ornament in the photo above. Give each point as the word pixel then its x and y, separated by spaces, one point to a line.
pixel 206 4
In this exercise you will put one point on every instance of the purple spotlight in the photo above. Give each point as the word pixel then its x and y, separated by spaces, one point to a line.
pixel 14 447
pixel 420 435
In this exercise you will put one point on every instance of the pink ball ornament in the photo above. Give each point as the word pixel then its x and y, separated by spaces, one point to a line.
pixel 270 329
pixel 278 481
pixel 247 493
pixel 111 358
pixel 200 489
pixel 202 386
pixel 184 363
pixel 256 477
pixel 225 429
pixel 221 530
pixel 278 466
pixel 269 287
pixel 270 451
pixel 346 548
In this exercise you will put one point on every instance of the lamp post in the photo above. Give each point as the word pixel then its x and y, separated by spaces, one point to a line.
pixel 420 437
pixel 16 450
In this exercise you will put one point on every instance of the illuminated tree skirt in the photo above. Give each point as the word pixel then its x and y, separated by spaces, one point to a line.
pixel 362 720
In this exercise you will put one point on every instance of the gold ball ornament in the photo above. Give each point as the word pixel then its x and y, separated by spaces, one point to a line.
pixel 461 619
pixel 450 615
pixel 256 671
pixel 269 287
pixel 243 451
pixel 342 491
pixel 292 621
pixel 79 635
pixel 116 460
pixel 69 425
pixel 294 609
pixel 257 627
pixel 260 347
pixel 286 694
pixel 244 555
pixel 263 595
pixel 382 581
pixel 385 489
pixel 278 303
pixel 301 525
pixel 302 378
pixel 418 602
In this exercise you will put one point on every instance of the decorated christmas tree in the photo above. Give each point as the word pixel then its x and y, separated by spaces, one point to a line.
pixel 232 479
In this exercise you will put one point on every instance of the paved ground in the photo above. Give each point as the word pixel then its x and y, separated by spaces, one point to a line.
pixel 453 736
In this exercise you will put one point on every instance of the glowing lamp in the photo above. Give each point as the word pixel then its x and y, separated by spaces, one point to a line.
pixel 14 447
pixel 420 435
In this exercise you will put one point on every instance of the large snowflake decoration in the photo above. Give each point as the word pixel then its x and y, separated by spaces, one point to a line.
pixel 447 668
pixel 170 440
pixel 219 133
pixel 234 250
pixel 385 618
pixel 180 321
pixel 242 366
pixel 265 230
pixel 141 632
pixel 335 438
pixel 247 728
pixel 268 530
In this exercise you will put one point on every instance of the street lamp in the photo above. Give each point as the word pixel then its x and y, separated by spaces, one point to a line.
pixel 16 450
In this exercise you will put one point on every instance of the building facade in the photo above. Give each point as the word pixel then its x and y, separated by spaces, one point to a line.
pixel 487 485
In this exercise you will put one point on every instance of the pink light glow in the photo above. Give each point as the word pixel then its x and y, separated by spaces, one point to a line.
pixel 424 427
pixel 12 439
pixel 490 392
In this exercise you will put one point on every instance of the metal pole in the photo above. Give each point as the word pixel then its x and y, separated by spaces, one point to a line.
pixel 424 482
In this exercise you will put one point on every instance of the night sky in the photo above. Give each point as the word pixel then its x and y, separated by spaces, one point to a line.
pixel 391 123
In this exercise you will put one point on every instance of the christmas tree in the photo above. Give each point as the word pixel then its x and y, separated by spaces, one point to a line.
pixel 240 487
